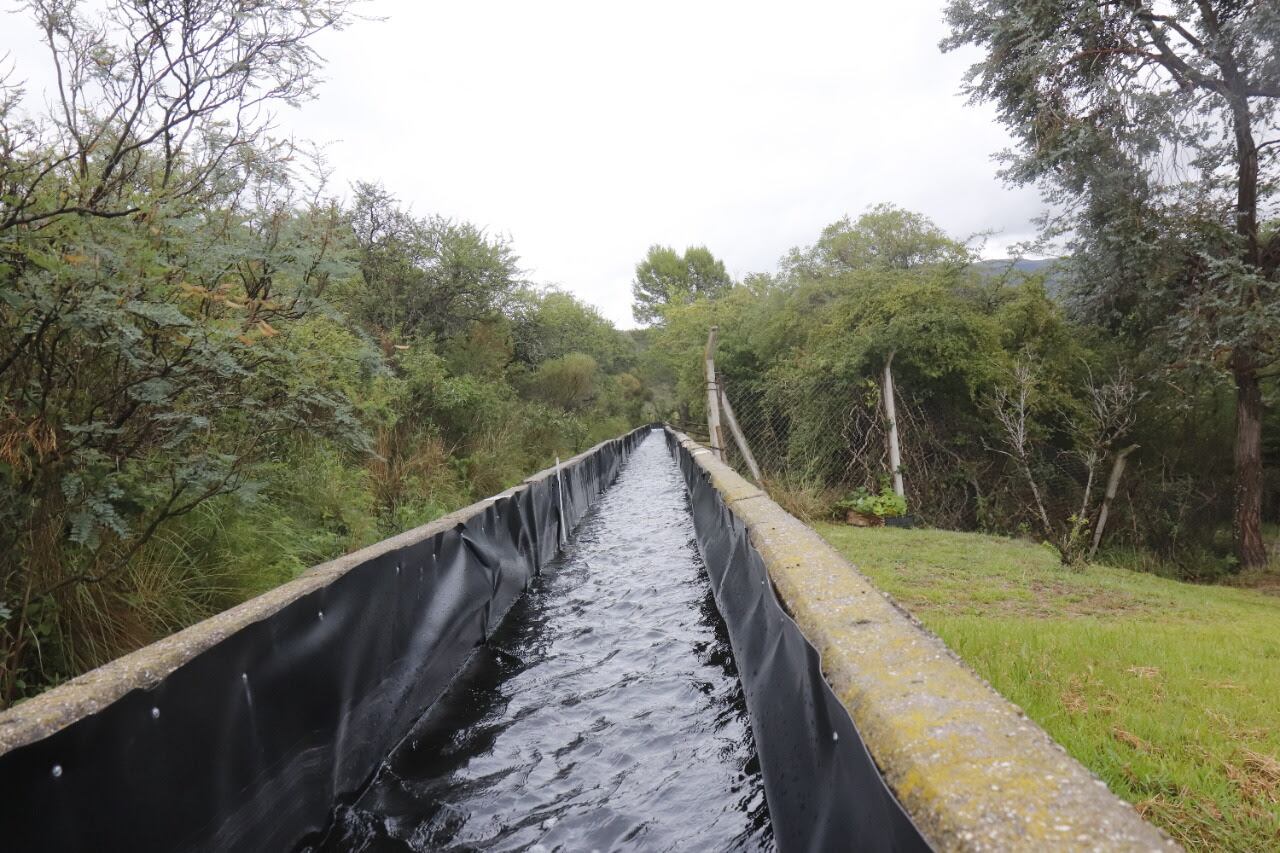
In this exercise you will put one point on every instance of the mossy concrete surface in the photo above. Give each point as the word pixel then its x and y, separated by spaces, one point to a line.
pixel 972 771
pixel 55 709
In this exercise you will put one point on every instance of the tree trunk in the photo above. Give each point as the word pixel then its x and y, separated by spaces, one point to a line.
pixel 1250 548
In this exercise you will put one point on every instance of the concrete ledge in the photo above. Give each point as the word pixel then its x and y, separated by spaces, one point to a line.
pixel 970 768
pixel 48 712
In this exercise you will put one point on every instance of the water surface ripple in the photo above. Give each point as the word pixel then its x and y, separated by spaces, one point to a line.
pixel 604 714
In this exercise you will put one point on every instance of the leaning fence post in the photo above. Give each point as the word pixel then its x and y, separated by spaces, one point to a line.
pixel 738 435
pixel 891 412
pixel 713 404
pixel 1113 484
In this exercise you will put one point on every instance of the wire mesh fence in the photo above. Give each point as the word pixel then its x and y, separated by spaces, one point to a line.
pixel 819 437
pixel 827 434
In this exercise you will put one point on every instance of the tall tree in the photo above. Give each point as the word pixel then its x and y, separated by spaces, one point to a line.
pixel 1153 127
pixel 886 237
pixel 156 256
pixel 551 323
pixel 666 277
pixel 429 277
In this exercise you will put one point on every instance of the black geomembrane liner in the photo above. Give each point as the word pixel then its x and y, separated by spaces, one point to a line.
pixel 248 745
pixel 823 788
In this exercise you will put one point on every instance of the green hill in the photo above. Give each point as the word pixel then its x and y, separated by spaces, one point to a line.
pixel 1051 268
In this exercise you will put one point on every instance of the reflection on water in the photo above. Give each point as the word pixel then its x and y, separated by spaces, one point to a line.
pixel 605 713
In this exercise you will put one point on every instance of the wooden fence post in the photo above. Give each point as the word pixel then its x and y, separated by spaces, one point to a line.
pixel 1113 484
pixel 891 412
pixel 713 402
pixel 738 435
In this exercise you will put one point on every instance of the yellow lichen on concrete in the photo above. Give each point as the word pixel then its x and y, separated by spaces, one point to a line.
pixel 972 771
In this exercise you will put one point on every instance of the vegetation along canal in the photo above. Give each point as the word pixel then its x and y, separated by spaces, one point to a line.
pixel 605 712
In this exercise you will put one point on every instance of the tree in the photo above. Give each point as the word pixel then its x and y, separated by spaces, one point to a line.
pixel 1095 428
pixel 665 278
pixel 549 324
pixel 156 102
pixel 428 277
pixel 568 382
pixel 156 254
pixel 1147 125
pixel 884 238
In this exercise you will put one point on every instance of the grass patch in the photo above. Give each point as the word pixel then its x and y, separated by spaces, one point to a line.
pixel 1168 691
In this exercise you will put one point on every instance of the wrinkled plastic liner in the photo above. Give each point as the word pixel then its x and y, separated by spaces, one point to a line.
pixel 823 789
pixel 248 745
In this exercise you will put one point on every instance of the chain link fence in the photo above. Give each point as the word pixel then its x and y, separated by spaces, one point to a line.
pixel 819 439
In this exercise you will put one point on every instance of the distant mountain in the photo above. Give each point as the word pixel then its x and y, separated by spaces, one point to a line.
pixel 999 266
pixel 1054 276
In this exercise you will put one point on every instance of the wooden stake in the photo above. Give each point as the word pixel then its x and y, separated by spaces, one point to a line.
pixel 713 403
pixel 564 528
pixel 891 412
pixel 738 435
pixel 1113 485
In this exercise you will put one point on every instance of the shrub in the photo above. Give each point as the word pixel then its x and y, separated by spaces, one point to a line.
pixel 885 504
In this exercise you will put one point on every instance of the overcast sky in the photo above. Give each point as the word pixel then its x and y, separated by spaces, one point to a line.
pixel 588 131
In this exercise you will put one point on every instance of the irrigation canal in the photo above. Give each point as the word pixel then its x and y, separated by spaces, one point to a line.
pixel 605 712
pixel 468 685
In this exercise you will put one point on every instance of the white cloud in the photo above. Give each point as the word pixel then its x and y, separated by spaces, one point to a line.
pixel 587 131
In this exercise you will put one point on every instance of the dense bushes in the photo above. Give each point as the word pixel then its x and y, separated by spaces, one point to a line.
pixel 174 443
pixel 1012 412
pixel 212 374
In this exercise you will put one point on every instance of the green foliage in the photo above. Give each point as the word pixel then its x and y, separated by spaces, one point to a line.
pixel 551 324
pixel 665 278
pixel 212 375
pixel 1147 126
pixel 568 382
pixel 424 277
pixel 885 504
pixel 813 345
pixel 884 238
pixel 801 355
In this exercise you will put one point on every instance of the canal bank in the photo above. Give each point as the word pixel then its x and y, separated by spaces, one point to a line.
pixel 969 768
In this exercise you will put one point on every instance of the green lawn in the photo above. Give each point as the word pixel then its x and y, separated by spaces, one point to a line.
pixel 1168 691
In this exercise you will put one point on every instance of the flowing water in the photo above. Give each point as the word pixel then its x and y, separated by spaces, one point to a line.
pixel 605 713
